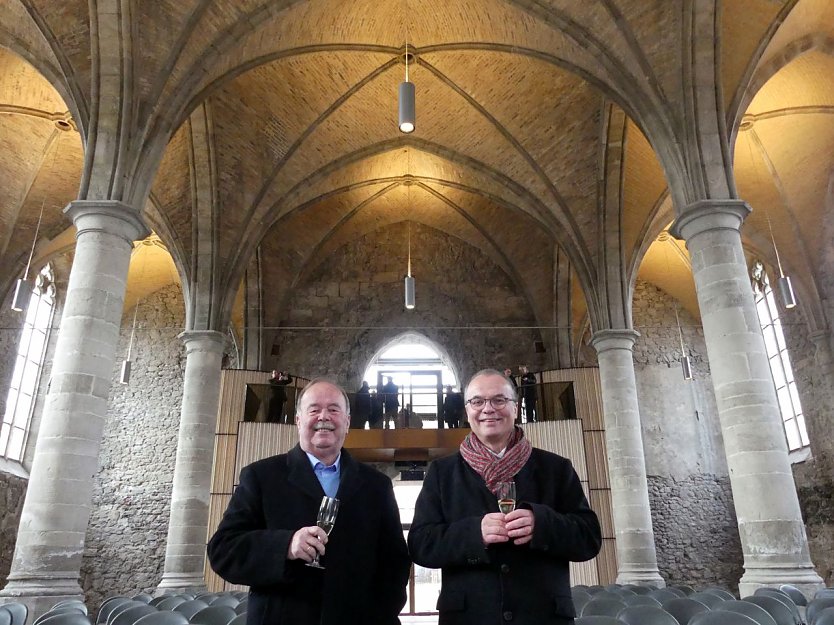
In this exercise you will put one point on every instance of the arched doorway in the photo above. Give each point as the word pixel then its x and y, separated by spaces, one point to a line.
pixel 420 369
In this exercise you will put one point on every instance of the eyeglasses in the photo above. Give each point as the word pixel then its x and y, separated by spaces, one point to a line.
pixel 496 402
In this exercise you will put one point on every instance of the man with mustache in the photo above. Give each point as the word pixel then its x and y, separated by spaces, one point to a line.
pixel 502 567
pixel 269 531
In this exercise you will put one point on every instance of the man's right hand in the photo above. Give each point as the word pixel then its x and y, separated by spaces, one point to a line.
pixel 494 528
pixel 306 542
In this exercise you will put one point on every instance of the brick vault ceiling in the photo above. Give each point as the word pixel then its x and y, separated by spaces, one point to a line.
pixel 293 105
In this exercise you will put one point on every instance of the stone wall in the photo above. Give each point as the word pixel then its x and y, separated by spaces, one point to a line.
pixel 357 294
pixel 689 489
pixel 125 542
pixel 12 492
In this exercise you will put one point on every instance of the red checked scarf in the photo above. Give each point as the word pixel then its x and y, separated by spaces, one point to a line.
pixel 494 469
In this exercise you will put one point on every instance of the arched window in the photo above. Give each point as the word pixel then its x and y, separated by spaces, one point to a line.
pixel 20 403
pixel 780 363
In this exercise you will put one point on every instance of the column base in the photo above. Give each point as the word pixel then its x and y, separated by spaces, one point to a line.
pixel 39 594
pixel 805 578
pixel 641 578
pixel 181 582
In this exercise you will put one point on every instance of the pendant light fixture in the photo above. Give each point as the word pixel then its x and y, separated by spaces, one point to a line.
pixel 124 376
pixel 406 95
pixel 409 279
pixel 686 364
pixel 23 288
pixel 783 282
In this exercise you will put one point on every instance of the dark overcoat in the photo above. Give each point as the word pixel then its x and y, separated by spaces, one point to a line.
pixel 366 557
pixel 505 583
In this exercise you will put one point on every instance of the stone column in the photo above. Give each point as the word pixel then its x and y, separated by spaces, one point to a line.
pixel 770 524
pixel 50 538
pixel 186 548
pixel 636 554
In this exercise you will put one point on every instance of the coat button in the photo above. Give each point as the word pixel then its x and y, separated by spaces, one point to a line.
pixel 505 568
pixel 508 616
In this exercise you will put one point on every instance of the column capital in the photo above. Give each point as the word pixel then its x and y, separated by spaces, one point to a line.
pixel 603 340
pixel 706 215
pixel 108 216
pixel 210 340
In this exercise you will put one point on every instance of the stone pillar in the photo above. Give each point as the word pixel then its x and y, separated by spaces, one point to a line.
pixel 770 524
pixel 636 554
pixel 186 548
pixel 50 538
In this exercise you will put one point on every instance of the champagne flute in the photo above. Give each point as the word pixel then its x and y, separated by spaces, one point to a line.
pixel 326 519
pixel 505 492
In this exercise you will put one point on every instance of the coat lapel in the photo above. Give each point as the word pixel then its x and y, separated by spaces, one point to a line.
pixel 301 474
pixel 349 480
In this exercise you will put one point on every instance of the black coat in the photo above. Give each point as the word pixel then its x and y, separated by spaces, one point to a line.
pixel 525 585
pixel 366 557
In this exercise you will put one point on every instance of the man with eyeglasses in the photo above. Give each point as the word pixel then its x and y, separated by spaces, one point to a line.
pixel 502 567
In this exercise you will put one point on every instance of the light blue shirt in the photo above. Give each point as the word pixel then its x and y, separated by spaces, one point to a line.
pixel 328 476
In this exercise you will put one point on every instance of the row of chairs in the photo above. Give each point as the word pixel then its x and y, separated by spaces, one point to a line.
pixel 226 608
pixel 682 605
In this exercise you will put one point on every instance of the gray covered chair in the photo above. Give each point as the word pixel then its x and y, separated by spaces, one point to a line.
pixel 163 618
pixel 781 613
pixel 641 600
pixel 721 617
pixel 684 609
pixel 580 598
pixel 794 593
pixel 782 596
pixel 709 599
pixel 826 617
pixel 598 620
pixel 142 596
pixel 603 607
pixel 755 612
pixel 686 590
pixel 228 600
pixel 640 590
pixel 240 619
pixel 18 610
pixel 5 616
pixel 214 615
pixel 71 603
pixel 113 606
pixel 131 615
pixel 169 603
pixel 662 594
pixel 721 592
pixel 815 607
pixel 66 618
pixel 824 592
pixel 67 609
pixel 241 607
pixel 190 608
pixel 646 615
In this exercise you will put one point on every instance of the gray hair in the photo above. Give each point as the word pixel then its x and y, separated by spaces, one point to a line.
pixel 321 380
pixel 491 372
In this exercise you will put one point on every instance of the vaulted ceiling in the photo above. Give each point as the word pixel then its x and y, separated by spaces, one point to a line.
pixel 274 124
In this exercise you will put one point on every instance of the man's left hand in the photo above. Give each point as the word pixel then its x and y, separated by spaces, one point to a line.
pixel 520 524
